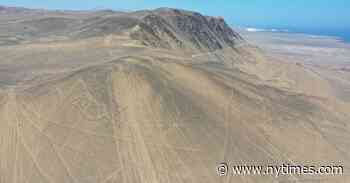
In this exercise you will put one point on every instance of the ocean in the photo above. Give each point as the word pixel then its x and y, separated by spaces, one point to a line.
pixel 343 35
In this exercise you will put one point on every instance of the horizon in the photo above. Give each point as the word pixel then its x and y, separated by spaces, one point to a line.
pixel 305 17
pixel 313 14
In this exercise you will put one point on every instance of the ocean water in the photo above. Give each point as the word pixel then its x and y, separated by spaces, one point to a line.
pixel 343 35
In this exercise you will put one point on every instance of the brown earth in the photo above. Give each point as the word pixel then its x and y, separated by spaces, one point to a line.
pixel 100 105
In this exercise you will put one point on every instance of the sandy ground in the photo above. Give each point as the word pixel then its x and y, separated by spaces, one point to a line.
pixel 328 57
pixel 109 110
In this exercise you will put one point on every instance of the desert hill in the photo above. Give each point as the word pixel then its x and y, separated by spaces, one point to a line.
pixel 155 96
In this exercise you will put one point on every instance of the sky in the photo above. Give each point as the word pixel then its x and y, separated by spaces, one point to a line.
pixel 284 14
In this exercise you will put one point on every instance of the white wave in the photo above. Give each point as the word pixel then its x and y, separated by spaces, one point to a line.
pixel 250 29
pixel 254 30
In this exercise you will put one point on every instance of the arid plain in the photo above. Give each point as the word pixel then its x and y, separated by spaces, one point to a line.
pixel 161 96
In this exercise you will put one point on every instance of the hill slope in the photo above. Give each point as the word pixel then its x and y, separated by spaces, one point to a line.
pixel 159 96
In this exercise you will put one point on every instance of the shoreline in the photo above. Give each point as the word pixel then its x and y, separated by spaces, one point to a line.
pixel 334 36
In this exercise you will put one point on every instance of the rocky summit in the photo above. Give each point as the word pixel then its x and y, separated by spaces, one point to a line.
pixel 173 28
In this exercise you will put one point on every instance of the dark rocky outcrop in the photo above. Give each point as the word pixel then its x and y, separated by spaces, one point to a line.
pixel 178 28
pixel 155 31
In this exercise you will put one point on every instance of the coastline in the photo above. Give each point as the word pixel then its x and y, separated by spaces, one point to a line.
pixel 342 36
pixel 301 47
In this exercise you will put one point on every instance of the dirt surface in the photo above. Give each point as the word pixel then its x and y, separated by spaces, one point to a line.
pixel 109 109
